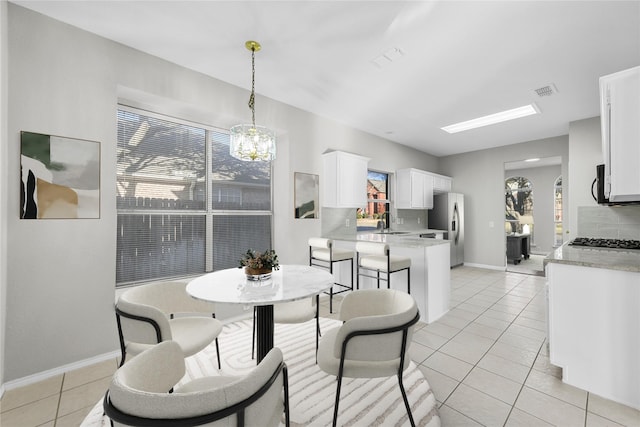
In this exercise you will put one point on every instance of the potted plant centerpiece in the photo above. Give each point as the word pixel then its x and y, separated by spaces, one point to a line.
pixel 259 265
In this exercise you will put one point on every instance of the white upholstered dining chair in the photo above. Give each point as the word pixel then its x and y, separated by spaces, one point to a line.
pixel 143 392
pixel 373 341
pixel 152 313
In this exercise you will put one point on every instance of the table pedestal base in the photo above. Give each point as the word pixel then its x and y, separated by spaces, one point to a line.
pixel 264 331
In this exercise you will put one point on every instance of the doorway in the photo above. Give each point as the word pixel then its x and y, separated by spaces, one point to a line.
pixel 531 213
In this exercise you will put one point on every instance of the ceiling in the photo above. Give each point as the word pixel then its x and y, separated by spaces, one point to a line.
pixel 533 162
pixel 452 60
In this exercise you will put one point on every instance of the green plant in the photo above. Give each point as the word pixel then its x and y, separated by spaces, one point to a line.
pixel 265 260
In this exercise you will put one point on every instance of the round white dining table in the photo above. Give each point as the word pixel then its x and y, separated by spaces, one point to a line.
pixel 289 283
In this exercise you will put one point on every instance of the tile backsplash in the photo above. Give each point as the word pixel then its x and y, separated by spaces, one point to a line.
pixel 335 220
pixel 615 222
pixel 410 219
pixel 338 222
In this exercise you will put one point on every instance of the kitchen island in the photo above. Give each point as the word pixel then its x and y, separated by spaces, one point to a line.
pixel 594 320
pixel 430 268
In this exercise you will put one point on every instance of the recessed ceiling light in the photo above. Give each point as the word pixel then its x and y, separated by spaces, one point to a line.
pixel 535 159
pixel 491 119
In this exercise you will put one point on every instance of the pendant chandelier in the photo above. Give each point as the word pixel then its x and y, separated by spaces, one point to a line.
pixel 248 141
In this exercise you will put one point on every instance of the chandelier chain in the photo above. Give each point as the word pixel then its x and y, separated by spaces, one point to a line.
pixel 249 142
pixel 252 97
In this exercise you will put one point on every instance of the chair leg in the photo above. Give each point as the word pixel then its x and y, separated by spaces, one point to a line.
pixel 253 336
pixel 331 299
pixel 317 325
pixel 285 380
pixel 123 347
pixel 218 354
pixel 331 288
pixel 335 407
pixel 351 260
pixel 408 280
pixel 406 401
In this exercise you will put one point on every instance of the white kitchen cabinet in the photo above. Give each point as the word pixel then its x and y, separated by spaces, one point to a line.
pixel 344 180
pixel 414 189
pixel 619 113
pixel 594 329
pixel 441 183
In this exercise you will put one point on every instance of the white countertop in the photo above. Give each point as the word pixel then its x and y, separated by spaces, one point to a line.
pixel 613 259
pixel 407 238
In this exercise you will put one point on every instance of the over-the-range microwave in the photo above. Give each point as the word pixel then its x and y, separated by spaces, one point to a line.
pixel 599 196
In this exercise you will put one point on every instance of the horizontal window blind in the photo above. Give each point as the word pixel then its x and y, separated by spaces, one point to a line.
pixel 161 165
pixel 175 180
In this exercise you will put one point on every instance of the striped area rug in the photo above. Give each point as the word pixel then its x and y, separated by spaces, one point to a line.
pixel 363 402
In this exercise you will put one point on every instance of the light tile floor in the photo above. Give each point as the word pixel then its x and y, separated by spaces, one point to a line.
pixel 486 361
pixel 532 265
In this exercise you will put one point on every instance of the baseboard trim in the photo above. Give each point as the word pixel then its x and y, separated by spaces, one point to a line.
pixel 485 266
pixel 44 375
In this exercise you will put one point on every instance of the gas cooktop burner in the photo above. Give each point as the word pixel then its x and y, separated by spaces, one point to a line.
pixel 606 243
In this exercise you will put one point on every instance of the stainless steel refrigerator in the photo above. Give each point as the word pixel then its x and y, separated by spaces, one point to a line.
pixel 448 214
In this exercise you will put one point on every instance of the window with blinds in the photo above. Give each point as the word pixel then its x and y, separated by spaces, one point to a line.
pixel 185 206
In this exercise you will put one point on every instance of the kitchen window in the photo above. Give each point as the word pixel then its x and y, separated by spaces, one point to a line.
pixel 184 205
pixel 377 209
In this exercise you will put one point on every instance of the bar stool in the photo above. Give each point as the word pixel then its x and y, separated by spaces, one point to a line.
pixel 323 254
pixel 377 257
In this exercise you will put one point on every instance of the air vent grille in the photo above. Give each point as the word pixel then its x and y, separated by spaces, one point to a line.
pixel 546 90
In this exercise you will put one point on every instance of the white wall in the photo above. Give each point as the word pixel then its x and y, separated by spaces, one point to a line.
pixel 3 181
pixel 585 152
pixel 479 175
pixel 64 81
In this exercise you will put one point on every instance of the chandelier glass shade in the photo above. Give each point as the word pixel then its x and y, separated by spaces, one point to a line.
pixel 248 141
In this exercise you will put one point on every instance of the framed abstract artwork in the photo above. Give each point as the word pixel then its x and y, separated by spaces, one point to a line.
pixel 60 177
pixel 306 195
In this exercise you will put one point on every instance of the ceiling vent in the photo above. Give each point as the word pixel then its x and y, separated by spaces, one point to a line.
pixel 546 90
pixel 388 57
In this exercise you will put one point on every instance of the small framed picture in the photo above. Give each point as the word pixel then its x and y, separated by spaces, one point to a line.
pixel 306 195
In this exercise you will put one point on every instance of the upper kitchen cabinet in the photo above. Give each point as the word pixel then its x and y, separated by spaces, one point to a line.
pixel 414 189
pixel 441 183
pixel 344 180
pixel 619 114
